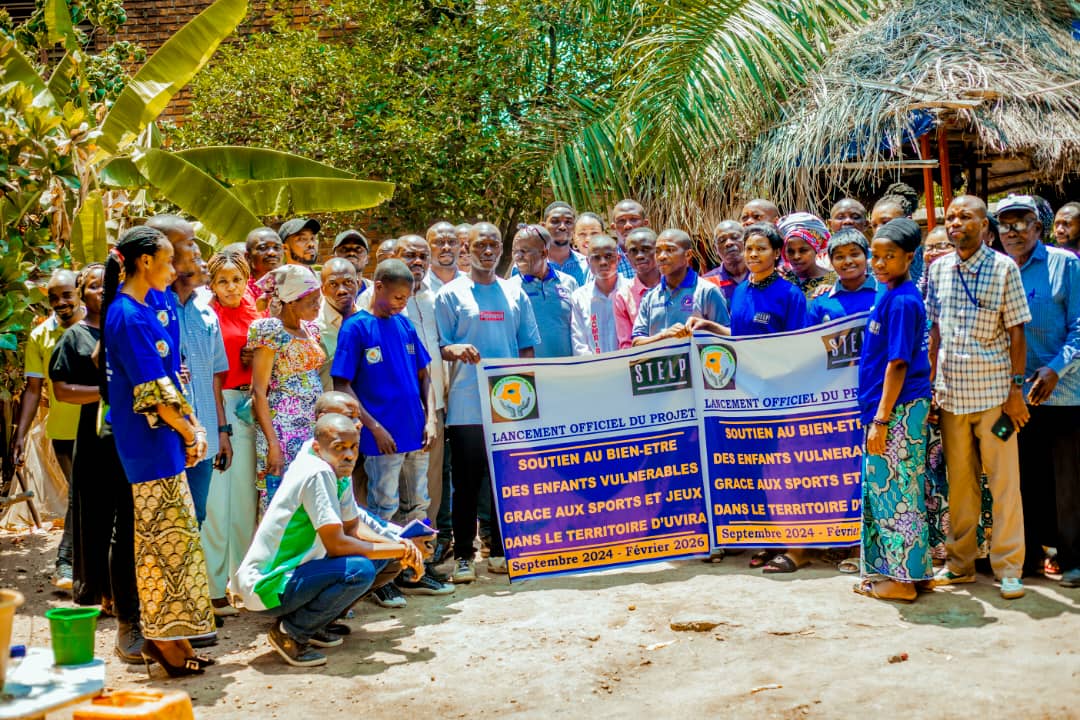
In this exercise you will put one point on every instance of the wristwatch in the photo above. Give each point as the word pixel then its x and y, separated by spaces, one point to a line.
pixel 1018 380
pixel 227 429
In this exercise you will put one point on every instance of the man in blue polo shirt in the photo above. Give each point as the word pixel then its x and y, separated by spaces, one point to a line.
pixel 548 290
pixel 479 315
pixel 1049 470
pixel 559 219
pixel 679 296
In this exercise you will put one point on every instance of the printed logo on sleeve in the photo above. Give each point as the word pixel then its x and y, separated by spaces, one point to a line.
pixel 410 348
pixel 373 355
pixel 513 398
pixel 491 315
pixel 162 348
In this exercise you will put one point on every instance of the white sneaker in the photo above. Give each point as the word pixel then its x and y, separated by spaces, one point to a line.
pixel 463 573
pixel 497 565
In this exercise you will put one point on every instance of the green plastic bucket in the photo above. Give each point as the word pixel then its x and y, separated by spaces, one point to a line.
pixel 72 631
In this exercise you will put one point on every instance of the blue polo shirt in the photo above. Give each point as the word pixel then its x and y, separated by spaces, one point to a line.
pixel 778 307
pixel 497 319
pixel 1051 278
pixel 141 347
pixel 380 358
pixel 895 330
pixel 664 306
pixel 553 308
pixel 840 302
pixel 576 266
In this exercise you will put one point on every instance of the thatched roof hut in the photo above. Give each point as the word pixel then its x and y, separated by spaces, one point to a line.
pixel 989 87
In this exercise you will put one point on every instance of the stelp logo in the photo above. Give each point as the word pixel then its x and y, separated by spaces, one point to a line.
pixel 718 367
pixel 513 398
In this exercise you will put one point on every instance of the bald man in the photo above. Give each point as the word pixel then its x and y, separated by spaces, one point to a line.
pixel 340 283
pixel 62 423
pixel 759 210
pixel 264 251
pixel 728 245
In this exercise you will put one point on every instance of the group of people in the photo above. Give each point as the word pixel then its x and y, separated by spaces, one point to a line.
pixel 219 420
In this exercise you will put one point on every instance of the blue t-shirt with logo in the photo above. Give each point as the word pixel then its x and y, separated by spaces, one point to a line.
pixel 380 357
pixel 775 308
pixel 895 330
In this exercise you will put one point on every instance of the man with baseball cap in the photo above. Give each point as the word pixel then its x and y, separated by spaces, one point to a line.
pixel 353 246
pixel 1049 471
pixel 300 238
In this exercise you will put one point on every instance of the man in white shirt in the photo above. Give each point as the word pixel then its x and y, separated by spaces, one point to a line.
pixel 593 323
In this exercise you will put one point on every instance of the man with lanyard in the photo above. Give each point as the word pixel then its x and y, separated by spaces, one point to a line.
pixel 445 245
pixel 627 216
pixel 548 290
pixel 62 422
pixel 1049 471
pixel 977 309
pixel 593 324
pixel 680 295
pixel 559 219
pixel 728 244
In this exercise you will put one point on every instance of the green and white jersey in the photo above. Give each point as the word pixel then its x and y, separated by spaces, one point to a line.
pixel 310 497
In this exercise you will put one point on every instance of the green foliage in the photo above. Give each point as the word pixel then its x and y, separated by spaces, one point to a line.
pixel 447 102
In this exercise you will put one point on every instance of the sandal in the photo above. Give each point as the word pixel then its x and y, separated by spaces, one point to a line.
pixel 782 563
pixel 761 557
pixel 849 566
pixel 867 587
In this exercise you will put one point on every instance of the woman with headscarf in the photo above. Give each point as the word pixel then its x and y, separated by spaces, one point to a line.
pixel 284 374
pixel 806 238
pixel 157 436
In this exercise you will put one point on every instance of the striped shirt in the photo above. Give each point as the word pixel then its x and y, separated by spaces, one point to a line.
pixel 973 302
pixel 203 351
pixel 1051 279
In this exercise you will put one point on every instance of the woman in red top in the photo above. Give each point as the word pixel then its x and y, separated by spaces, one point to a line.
pixel 233 500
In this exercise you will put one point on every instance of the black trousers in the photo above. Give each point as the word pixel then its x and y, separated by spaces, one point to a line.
pixel 103 528
pixel 470 476
pixel 1050 485
pixel 65 451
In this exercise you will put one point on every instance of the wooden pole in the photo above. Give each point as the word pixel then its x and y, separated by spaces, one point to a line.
pixel 946 170
pixel 985 183
pixel 928 183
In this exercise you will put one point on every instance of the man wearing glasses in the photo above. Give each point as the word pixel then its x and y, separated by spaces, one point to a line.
pixel 1049 455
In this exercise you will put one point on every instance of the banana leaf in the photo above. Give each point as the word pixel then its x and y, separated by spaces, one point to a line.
pixel 121 172
pixel 16 68
pixel 291 196
pixel 241 164
pixel 60 81
pixel 167 71
pixel 58 22
pixel 89 238
pixel 197 194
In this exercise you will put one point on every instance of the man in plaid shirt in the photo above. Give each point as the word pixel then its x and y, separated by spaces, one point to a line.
pixel 977 308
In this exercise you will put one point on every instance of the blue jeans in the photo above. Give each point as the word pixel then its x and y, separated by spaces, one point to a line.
pixel 397 485
pixel 319 591
pixel 198 479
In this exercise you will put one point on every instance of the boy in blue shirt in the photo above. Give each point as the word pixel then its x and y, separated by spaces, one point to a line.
pixel 381 361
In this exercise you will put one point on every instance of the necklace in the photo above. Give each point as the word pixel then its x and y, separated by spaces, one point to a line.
pixel 766 282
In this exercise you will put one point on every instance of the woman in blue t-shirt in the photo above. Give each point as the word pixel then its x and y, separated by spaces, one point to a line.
pixel 894 402
pixel 157 436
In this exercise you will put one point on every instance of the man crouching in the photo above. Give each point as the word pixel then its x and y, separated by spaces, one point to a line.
pixel 312 558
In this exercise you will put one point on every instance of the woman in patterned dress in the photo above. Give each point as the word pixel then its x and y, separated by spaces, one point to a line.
pixel 157 436
pixel 894 402
pixel 284 374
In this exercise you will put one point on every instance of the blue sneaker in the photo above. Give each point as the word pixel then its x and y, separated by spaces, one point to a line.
pixel 1070 578
pixel 1012 588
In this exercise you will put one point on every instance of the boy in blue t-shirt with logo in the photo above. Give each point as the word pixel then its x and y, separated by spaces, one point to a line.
pixel 382 362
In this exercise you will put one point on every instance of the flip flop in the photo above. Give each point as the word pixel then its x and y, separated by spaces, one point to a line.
pixel 782 563
pixel 761 557
pixel 849 566
pixel 868 588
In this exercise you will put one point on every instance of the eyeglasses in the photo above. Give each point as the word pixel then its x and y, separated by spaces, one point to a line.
pixel 1016 227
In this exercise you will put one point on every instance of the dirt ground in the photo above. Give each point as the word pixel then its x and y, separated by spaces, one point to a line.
pixel 797 646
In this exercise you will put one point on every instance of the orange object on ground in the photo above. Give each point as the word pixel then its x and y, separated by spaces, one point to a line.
pixel 137 705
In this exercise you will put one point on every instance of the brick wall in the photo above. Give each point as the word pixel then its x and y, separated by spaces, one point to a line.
pixel 152 22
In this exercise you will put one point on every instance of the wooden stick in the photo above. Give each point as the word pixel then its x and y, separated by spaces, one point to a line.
pixel 928 183
pixel 946 170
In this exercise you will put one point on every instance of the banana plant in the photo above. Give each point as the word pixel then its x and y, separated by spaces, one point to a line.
pixel 227 189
